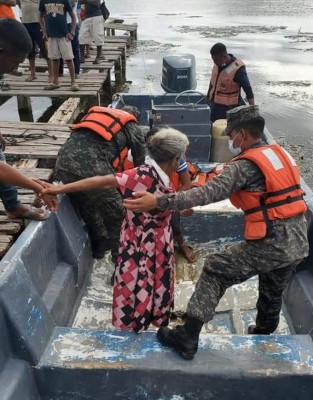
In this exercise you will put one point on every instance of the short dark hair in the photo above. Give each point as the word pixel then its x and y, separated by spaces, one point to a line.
pixel 218 48
pixel 14 37
pixel 255 127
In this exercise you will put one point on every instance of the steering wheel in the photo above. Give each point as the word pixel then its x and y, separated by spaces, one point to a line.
pixel 203 96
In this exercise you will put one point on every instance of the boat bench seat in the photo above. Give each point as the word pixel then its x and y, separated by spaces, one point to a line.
pixel 119 364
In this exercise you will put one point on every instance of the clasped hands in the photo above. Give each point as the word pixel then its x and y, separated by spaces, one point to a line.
pixel 50 201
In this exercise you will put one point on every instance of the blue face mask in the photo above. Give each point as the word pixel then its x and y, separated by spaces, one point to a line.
pixel 234 150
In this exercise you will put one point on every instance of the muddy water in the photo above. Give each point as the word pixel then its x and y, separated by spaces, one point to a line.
pixel 274 38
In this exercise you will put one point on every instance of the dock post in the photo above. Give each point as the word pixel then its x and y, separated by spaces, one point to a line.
pixel 107 87
pixel 24 106
pixel 118 72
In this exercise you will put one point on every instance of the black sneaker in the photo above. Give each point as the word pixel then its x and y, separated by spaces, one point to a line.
pixel 178 340
pixel 254 330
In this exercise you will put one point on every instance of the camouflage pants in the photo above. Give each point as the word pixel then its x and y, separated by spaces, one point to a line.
pixel 235 265
pixel 102 211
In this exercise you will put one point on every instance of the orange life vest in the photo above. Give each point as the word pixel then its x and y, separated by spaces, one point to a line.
pixel 108 123
pixel 223 88
pixel 283 197
pixel 175 176
pixel 201 178
pixel 6 11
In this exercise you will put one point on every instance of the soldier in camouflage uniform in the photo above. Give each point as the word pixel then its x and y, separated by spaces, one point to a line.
pixel 87 154
pixel 273 257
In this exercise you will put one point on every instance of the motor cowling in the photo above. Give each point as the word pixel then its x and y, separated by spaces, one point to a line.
pixel 179 73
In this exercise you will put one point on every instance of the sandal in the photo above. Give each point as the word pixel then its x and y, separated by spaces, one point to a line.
pixel 75 88
pixel 33 213
pixel 51 86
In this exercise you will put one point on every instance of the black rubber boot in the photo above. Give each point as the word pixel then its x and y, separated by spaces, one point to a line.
pixel 254 330
pixel 179 340
pixel 100 247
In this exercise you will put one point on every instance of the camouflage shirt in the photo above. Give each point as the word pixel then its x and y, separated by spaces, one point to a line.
pixel 290 235
pixel 88 154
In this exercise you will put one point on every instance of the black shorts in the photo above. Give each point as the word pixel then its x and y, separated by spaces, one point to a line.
pixel 34 30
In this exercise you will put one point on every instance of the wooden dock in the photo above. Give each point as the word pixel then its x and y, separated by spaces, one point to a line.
pixel 28 143
pixel 90 85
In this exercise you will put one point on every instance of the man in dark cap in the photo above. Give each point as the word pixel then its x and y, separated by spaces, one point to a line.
pixel 228 77
pixel 98 145
pixel 264 181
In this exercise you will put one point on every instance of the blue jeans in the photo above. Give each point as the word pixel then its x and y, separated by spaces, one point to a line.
pixel 76 52
pixel 8 193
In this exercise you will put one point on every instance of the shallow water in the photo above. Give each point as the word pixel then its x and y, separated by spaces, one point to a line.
pixel 274 38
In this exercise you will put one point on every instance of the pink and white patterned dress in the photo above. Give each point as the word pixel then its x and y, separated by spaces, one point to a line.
pixel 144 278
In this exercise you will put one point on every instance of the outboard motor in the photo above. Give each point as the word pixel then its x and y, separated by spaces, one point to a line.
pixel 179 73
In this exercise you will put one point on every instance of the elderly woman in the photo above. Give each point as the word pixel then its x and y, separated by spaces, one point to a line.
pixel 144 277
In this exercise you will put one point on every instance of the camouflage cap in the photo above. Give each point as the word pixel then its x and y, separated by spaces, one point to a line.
pixel 240 114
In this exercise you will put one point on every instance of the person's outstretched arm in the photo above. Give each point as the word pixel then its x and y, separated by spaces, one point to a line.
pixel 96 182
pixel 10 175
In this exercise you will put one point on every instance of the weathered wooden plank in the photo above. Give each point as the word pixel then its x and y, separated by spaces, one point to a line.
pixel 29 164
pixel 115 39
pixel 10 228
pixel 50 93
pixel 121 27
pixel 5 239
pixel 5 219
pixel 32 151
pixel 4 247
pixel 59 141
pixel 31 125
pixel 113 20
pixel 37 173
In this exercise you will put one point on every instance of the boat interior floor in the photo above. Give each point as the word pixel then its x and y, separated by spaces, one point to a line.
pixel 237 308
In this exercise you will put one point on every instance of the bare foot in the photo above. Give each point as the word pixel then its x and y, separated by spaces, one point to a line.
pixel 30 78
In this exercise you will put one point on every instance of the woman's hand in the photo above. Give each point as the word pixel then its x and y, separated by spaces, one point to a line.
pixel 186 213
pixel 45 197
pixel 52 190
pixel 144 201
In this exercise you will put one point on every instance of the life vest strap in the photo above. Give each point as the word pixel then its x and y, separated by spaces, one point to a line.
pixel 279 203
pixel 280 192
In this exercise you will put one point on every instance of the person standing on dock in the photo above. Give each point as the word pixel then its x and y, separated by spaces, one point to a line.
pixel 75 42
pixel 92 29
pixel 54 27
pixel 30 19
pixel 264 182
pixel 15 45
pixel 228 77
pixel 98 146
